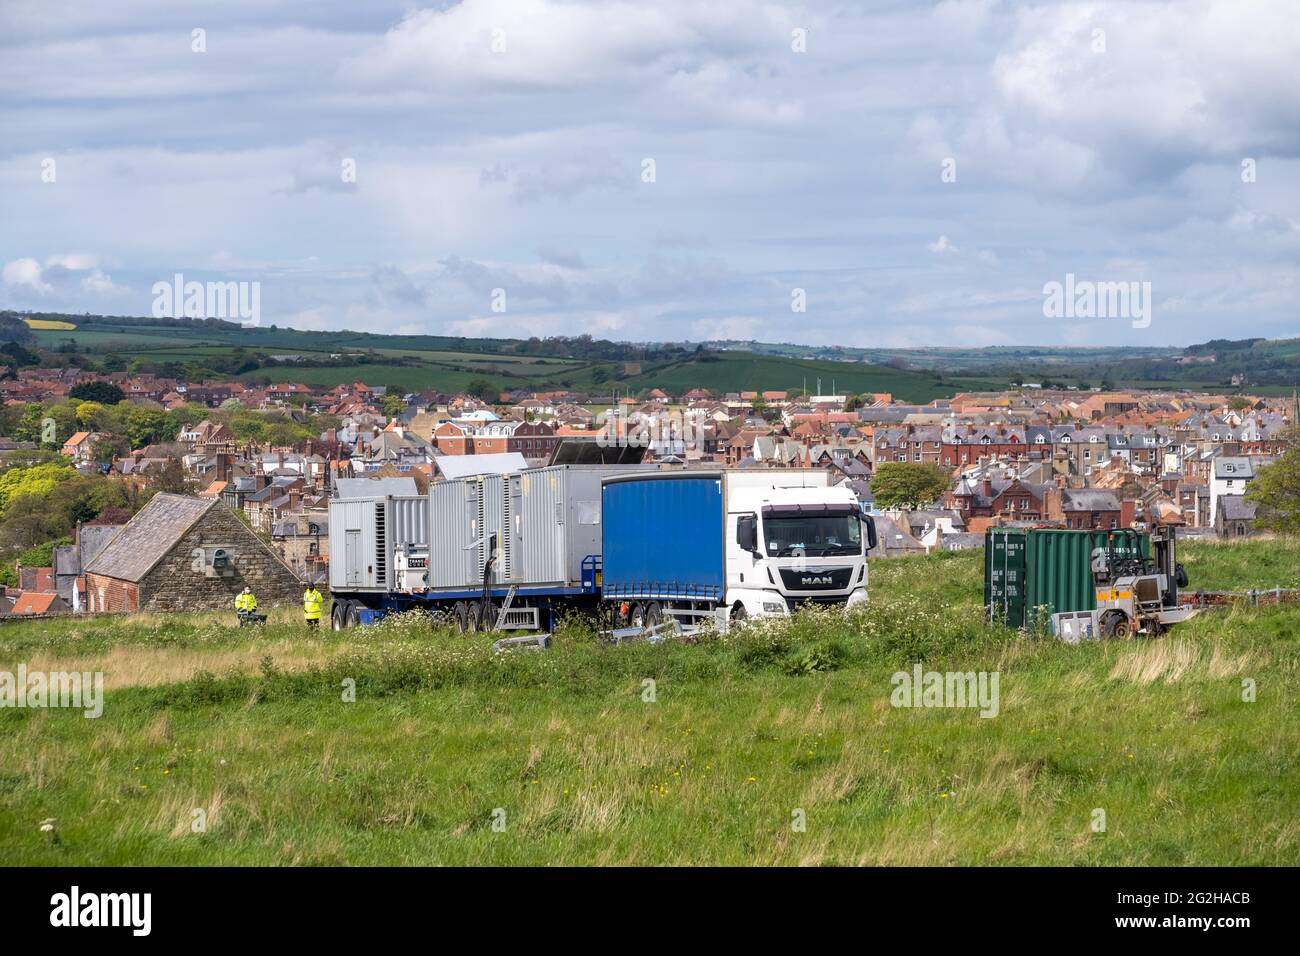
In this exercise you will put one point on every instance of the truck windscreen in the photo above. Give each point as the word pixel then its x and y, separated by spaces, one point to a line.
pixel 820 535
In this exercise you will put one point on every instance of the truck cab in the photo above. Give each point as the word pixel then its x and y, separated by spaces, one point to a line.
pixel 794 541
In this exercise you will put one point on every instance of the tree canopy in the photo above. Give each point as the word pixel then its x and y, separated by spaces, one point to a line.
pixel 904 484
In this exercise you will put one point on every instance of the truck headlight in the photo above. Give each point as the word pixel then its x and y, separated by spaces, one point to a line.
pixel 859 596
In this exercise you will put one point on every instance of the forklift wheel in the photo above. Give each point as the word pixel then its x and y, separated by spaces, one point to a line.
pixel 1115 625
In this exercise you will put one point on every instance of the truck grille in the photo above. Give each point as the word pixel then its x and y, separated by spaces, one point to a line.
pixel 816 579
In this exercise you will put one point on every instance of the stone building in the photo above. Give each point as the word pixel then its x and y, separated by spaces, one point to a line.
pixel 182 554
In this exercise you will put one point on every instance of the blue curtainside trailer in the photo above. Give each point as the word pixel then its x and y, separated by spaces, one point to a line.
pixel 663 538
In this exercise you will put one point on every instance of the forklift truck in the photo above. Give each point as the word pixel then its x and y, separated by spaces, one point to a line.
pixel 1135 594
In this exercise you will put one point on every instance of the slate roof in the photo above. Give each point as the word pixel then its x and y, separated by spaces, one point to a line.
pixel 1236 508
pixel 1089 499
pixel 148 536
pixel 374 487
pixel 1234 468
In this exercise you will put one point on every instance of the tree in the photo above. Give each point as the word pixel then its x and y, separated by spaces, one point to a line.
pixel 29 425
pixel 248 426
pixel 171 479
pixel 393 405
pixel 483 389
pixel 38 480
pixel 11 353
pixel 106 393
pixel 903 484
pixel 90 414
pixel 148 426
pixel 1275 492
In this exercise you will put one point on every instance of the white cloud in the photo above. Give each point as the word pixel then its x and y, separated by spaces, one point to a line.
pixel 24 272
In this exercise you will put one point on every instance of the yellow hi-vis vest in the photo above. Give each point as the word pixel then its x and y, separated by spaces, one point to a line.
pixel 311 605
pixel 245 602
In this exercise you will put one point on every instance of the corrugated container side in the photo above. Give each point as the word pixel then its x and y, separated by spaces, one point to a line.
pixel 539 525
pixel 1046 570
pixel 548 520
pixel 663 538
pixel 453 507
pixel 408 522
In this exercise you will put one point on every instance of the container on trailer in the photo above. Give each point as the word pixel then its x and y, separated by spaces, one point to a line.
pixel 1030 572
pixel 664 537
pixel 546 522
pixel 365 533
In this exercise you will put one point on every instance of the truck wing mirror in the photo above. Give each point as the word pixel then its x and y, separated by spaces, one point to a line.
pixel 747 532
pixel 870 522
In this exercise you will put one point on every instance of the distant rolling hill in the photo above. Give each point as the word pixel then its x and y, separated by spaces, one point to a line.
pixel 446 363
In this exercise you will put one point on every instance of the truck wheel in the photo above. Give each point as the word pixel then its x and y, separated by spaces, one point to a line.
pixel 338 616
pixel 739 614
pixel 654 614
pixel 636 617
pixel 354 615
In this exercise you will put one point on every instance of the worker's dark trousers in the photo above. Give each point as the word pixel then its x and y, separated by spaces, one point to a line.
pixel 313 621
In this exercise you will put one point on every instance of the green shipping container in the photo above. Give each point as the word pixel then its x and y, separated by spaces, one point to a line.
pixel 1033 571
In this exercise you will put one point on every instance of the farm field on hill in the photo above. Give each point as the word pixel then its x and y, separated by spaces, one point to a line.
pixel 444 366
pixel 737 371
pixel 744 732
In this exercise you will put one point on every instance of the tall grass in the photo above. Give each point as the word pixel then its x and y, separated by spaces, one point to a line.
pixel 668 753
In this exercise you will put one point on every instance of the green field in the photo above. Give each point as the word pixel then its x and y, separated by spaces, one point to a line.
pixel 747 735
pixel 445 363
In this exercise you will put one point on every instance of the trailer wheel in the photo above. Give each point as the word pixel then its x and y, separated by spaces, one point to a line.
pixel 483 615
pixel 354 615
pixel 636 617
pixel 460 616
pixel 338 615
pixel 654 614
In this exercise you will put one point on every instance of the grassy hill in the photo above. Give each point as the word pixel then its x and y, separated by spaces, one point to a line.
pixel 451 364
pixel 743 733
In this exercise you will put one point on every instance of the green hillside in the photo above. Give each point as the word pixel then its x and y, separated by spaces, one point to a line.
pixel 447 363
pixel 411 362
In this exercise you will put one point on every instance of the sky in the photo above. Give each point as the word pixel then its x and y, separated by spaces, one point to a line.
pixel 897 174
